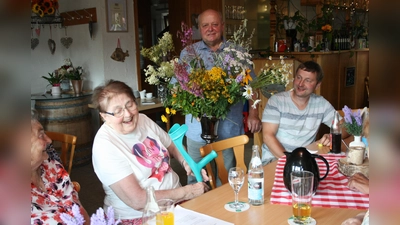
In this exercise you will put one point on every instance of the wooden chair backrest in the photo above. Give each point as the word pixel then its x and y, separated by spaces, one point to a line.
pixel 66 140
pixel 77 186
pixel 237 143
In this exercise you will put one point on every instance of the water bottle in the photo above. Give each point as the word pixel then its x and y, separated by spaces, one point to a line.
pixel 336 135
pixel 151 209
pixel 255 178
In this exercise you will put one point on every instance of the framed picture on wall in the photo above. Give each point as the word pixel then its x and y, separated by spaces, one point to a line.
pixel 117 16
pixel 350 76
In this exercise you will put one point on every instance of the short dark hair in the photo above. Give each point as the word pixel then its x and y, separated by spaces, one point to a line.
pixel 313 67
pixel 104 93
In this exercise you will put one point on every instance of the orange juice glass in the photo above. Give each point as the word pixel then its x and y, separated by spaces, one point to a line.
pixel 166 215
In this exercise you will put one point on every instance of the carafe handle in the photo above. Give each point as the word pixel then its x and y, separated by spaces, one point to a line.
pixel 326 163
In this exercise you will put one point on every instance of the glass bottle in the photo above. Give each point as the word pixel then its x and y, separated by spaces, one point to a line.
pixel 255 178
pixel 336 135
pixel 151 209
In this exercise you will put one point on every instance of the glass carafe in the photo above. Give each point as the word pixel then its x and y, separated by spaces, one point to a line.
pixel 151 209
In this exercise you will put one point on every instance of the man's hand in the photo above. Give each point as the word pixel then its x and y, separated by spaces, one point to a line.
pixel 254 124
pixel 325 140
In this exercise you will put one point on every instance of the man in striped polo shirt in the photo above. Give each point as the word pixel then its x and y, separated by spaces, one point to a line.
pixel 291 119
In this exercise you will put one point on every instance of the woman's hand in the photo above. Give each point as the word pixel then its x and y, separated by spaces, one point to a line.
pixel 194 190
pixel 359 182
pixel 190 172
pixel 357 220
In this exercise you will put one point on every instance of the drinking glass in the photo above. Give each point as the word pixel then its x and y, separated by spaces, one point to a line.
pixel 302 191
pixel 166 214
pixel 236 179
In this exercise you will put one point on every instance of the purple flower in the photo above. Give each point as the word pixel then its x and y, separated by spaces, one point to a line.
pixel 99 218
pixel 347 114
pixel 357 116
pixel 76 219
pixel 353 121
pixel 239 78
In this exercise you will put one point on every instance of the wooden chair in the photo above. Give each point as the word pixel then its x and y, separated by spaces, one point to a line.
pixel 77 186
pixel 237 143
pixel 65 140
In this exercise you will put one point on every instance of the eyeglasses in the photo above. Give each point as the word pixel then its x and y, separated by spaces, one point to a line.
pixel 119 112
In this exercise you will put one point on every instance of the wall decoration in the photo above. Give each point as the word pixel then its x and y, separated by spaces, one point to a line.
pixel 117 16
pixel 350 76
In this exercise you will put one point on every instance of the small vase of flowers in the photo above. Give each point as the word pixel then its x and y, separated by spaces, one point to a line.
pixel 75 75
pixel 354 126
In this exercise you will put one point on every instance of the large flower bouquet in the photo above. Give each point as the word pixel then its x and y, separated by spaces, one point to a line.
pixel 201 92
pixel 352 121
pixel 160 55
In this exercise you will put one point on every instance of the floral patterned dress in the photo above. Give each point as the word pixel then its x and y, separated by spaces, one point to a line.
pixel 59 197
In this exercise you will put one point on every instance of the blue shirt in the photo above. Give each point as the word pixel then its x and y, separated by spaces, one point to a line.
pixel 232 125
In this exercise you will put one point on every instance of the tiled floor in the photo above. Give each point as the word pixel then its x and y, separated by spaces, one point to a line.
pixel 92 194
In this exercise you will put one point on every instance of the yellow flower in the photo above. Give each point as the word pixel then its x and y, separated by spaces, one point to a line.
pixel 164 118
pixel 173 111
pixel 35 8
pixel 167 110
pixel 247 77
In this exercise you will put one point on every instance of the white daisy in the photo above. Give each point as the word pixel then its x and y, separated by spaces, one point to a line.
pixel 248 92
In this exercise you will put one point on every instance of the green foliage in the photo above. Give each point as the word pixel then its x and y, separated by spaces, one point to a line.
pixel 54 79
pixel 75 74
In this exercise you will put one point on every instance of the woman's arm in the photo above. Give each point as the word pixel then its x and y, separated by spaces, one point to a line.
pixel 132 194
pixel 173 150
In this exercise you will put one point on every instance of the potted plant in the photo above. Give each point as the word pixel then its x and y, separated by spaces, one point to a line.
pixel 55 80
pixel 292 25
pixel 75 75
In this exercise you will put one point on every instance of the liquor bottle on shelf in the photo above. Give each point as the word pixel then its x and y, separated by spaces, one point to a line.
pixel 256 178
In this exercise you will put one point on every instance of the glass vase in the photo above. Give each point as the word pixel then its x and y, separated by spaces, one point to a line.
pixel 209 128
pixel 327 45
pixel 162 89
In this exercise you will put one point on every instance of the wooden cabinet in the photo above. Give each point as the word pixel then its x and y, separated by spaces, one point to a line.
pixel 257 14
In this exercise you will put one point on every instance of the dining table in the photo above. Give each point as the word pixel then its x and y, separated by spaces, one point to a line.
pixel 212 203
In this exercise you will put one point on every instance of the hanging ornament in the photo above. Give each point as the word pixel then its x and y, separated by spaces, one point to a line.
pixel 91 29
pixel 37 29
pixel 51 43
pixel 119 54
pixel 90 23
pixel 66 41
pixel 34 41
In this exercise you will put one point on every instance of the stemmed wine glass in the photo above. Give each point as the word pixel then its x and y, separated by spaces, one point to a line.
pixel 236 179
